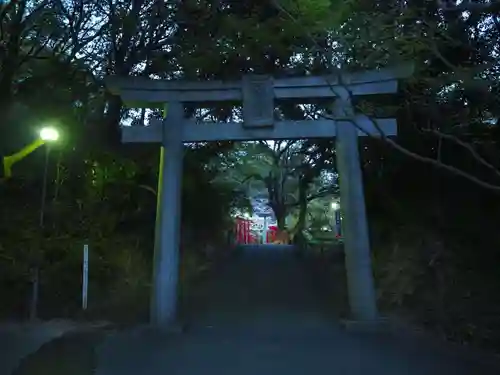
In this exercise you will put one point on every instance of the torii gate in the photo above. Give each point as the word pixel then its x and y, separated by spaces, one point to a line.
pixel 258 92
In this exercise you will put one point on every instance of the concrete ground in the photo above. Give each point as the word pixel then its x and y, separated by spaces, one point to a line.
pixel 18 340
pixel 259 316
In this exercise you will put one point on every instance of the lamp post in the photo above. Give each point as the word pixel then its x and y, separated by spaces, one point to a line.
pixel 336 212
pixel 47 136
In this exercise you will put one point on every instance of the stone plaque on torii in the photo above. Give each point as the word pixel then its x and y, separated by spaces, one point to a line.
pixel 258 93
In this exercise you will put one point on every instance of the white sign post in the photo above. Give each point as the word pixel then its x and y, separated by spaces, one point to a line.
pixel 85 276
pixel 264 230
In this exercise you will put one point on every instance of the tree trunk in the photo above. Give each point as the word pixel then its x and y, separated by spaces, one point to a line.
pixel 104 131
pixel 280 218
pixel 112 121
pixel 276 200
pixel 9 63
pixel 301 223
pixel 7 76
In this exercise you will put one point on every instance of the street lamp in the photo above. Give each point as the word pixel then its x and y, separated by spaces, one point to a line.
pixel 335 206
pixel 48 135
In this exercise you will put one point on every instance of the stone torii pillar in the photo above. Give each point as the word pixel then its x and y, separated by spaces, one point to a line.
pixel 168 213
pixel 361 289
pixel 258 94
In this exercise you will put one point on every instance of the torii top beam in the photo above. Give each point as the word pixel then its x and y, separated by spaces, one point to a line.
pixel 257 93
pixel 141 92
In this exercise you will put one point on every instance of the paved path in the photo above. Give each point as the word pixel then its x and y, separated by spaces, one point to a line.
pixel 18 340
pixel 261 318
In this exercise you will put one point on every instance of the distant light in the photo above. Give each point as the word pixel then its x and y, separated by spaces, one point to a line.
pixel 335 206
pixel 246 215
pixel 324 229
pixel 49 134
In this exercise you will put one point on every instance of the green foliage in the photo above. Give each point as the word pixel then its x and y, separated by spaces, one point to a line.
pixel 276 169
pixel 317 15
pixel 100 201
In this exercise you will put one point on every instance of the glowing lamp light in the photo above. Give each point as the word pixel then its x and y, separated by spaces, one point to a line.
pixel 49 134
pixel 335 206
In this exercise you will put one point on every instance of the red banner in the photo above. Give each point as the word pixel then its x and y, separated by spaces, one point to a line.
pixel 242 229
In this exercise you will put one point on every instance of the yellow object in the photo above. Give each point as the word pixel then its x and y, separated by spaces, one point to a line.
pixel 9 161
